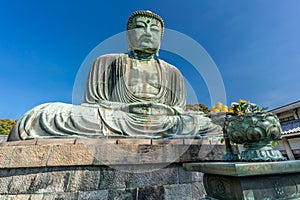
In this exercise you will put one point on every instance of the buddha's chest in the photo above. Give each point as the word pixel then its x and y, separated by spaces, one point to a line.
pixel 142 78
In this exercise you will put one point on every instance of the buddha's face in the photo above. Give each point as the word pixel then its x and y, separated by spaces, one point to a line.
pixel 145 34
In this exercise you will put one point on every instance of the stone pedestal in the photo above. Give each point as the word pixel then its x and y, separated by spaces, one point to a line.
pixel 249 180
pixel 113 168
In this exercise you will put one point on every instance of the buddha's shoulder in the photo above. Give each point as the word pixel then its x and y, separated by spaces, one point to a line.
pixel 169 66
pixel 111 56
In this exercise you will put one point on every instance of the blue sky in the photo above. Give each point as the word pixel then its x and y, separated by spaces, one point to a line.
pixel 254 44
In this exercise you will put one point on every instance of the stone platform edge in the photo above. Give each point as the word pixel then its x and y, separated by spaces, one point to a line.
pixel 243 169
pixel 108 151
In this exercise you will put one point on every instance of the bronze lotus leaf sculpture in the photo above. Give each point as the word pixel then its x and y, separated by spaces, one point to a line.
pixel 255 129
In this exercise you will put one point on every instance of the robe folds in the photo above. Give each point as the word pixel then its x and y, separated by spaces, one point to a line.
pixel 111 107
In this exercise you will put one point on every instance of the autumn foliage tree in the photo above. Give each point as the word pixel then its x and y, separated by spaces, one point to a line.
pixel 197 107
pixel 6 125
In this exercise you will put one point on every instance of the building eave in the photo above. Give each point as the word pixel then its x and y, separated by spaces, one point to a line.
pixel 285 108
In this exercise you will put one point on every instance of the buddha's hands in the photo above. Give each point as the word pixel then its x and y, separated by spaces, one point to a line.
pixel 147 108
pixel 178 110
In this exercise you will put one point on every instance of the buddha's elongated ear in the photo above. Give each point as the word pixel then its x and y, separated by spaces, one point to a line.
pixel 129 46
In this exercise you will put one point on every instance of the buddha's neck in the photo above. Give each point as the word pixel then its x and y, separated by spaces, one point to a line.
pixel 141 55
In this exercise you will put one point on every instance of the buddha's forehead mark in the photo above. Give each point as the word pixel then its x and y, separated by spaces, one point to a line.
pixel 147 20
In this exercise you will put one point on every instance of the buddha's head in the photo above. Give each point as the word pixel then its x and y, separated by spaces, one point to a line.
pixel 144 31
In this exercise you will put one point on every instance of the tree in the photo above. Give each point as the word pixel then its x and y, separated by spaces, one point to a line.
pixel 6 125
pixel 197 107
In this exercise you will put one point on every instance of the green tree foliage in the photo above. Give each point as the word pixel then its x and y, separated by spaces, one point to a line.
pixel 6 125
pixel 197 107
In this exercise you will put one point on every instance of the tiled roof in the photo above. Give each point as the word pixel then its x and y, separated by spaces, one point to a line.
pixel 290 128
pixel 291 131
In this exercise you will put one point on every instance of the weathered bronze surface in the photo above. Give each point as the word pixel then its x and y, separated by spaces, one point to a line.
pixel 238 169
pixel 255 131
pixel 132 95
pixel 272 187
pixel 249 180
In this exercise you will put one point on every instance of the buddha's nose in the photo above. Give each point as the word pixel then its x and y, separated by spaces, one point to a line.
pixel 148 31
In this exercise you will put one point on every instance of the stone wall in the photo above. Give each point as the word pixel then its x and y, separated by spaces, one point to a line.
pixel 3 138
pixel 103 168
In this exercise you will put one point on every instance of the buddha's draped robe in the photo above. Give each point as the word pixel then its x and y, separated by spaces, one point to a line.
pixel 113 107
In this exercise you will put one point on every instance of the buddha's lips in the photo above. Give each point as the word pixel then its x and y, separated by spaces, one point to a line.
pixel 147 40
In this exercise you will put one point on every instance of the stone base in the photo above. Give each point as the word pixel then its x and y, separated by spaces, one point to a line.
pixel 100 182
pixel 103 168
pixel 262 187
pixel 262 180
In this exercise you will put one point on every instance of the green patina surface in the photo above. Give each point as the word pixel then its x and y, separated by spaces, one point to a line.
pixel 240 169
pixel 255 131
pixel 133 94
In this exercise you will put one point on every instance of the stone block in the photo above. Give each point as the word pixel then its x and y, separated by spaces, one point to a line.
pixel 6 153
pixel 165 176
pixel 167 141
pixel 3 196
pixel 122 194
pixel 133 141
pixel 109 154
pixel 175 191
pixel 164 154
pixel 150 193
pixel 193 141
pixel 112 179
pixel 185 152
pixel 188 176
pixel 85 180
pixel 26 183
pixel 94 195
pixel 33 156
pixel 161 176
pixel 18 197
pixel 36 197
pixel 55 141
pixel 78 171
pixel 203 152
pixel 131 154
pixel 21 143
pixel 128 153
pixel 198 191
pixel 57 180
pixel 149 154
pixel 194 152
pixel 3 138
pixel 158 153
pixel 142 168
pixel 62 196
pixel 96 142
pixel 5 180
pixel 37 181
pixel 67 155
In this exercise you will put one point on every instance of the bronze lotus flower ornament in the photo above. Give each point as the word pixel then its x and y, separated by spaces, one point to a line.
pixel 249 125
